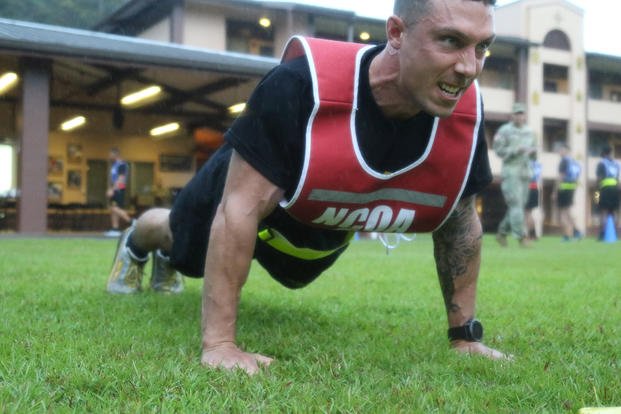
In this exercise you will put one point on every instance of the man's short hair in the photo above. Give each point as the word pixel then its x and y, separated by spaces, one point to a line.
pixel 606 151
pixel 412 10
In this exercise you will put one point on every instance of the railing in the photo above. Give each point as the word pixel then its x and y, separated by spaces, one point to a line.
pixel 62 217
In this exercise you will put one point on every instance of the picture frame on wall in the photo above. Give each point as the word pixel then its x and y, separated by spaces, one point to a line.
pixel 74 153
pixel 175 163
pixel 55 165
pixel 54 191
pixel 74 179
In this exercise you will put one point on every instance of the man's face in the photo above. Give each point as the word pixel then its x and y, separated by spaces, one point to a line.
pixel 443 52
pixel 518 118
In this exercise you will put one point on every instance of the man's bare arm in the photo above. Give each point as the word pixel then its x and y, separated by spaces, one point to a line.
pixel 248 197
pixel 457 251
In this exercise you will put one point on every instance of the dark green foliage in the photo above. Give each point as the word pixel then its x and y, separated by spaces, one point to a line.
pixel 71 13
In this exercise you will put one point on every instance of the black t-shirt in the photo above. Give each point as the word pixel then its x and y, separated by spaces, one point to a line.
pixel 270 134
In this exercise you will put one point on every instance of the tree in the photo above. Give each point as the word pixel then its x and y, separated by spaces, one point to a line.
pixel 70 13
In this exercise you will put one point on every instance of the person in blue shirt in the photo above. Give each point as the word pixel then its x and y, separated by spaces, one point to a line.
pixel 569 171
pixel 608 179
pixel 116 192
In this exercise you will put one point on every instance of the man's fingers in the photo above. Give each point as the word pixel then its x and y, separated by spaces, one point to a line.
pixel 263 360
pixel 481 349
pixel 247 362
pixel 250 366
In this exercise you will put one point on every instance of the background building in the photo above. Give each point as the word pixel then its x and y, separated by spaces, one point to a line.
pixel 207 55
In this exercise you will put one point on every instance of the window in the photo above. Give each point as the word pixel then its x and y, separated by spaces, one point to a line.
pixel 554 133
pixel 599 139
pixel 491 127
pixel 6 168
pixel 248 37
pixel 499 73
pixel 595 87
pixel 605 85
pixel 555 78
pixel 329 28
pixel 550 86
pixel 557 39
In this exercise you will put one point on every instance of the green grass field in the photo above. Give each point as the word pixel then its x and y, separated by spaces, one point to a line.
pixel 368 336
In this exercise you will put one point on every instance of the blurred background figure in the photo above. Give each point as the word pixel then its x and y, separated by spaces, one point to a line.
pixel 569 171
pixel 608 178
pixel 532 201
pixel 116 192
pixel 514 143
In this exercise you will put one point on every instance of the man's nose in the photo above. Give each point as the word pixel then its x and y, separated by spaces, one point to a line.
pixel 468 64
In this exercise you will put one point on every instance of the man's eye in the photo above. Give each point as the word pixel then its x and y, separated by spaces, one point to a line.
pixel 450 41
pixel 482 48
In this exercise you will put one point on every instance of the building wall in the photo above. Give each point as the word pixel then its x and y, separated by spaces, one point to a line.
pixel 134 148
pixel 605 112
pixel 7 120
pixel 204 27
pixel 159 32
pixel 497 99
pixel 288 25
pixel 510 20
pixel 530 20
pixel 533 20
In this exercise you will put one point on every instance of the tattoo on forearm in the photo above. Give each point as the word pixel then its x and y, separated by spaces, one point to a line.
pixel 457 247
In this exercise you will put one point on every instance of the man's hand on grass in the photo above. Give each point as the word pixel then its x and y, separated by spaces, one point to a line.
pixel 478 348
pixel 228 356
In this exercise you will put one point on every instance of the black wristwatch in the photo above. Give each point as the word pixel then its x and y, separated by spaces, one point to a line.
pixel 472 331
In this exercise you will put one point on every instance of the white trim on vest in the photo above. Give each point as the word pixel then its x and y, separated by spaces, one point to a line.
pixel 317 102
pixel 378 175
pixel 475 140
pixel 309 126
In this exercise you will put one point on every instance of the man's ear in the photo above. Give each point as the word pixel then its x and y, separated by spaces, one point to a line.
pixel 395 27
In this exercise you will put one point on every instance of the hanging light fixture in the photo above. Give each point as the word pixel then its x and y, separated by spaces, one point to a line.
pixel 7 81
pixel 237 108
pixel 73 123
pixel 141 95
pixel 265 22
pixel 165 129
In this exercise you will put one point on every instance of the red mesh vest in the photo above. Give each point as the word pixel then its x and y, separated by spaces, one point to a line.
pixel 338 190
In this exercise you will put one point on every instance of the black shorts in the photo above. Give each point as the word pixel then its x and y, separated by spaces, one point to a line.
pixel 609 198
pixel 118 198
pixel 565 198
pixel 195 207
pixel 533 199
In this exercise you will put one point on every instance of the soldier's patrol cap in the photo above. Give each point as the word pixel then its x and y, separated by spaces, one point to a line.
pixel 518 107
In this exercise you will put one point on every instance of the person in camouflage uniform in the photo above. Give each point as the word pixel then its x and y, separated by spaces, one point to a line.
pixel 514 143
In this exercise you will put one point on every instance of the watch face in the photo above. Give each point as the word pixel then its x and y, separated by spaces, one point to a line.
pixel 476 329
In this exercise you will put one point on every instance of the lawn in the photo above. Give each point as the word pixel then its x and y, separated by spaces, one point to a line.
pixel 368 336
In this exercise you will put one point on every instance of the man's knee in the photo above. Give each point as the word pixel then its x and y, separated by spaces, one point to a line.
pixel 153 229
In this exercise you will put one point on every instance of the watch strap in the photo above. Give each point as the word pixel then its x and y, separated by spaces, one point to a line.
pixel 459 332
pixel 472 331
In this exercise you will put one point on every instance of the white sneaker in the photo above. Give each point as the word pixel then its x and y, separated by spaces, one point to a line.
pixel 126 274
pixel 112 233
pixel 164 278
